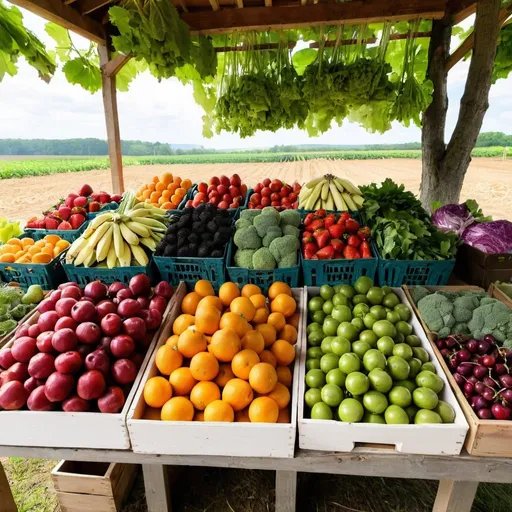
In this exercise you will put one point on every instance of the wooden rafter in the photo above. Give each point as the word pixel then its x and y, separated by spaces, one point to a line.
pixel 344 42
pixel 215 5
pixel 268 3
pixel 262 18
pixel 87 6
pixel 255 47
pixel 465 13
pixel 66 16
pixel 113 66
pixel 240 4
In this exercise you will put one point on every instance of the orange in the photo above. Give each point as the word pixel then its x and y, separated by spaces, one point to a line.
pixel 47 250
pixel 277 320
pixel 259 300
pixel 254 341
pixel 176 200
pixel 172 341
pixel 218 410
pixel 225 344
pixel 237 393
pixel 207 319
pixel 242 416
pixel 160 186
pixel 152 414
pixel 289 334
pixel 62 244
pixel 243 362
pixel 284 416
pixel 281 395
pixel 50 239
pixel 203 393
pixel 26 242
pixel 182 381
pixel 250 289
pixel 267 357
pixel 182 323
pixel 166 178
pixel 157 391
pixel 211 300
pixel 294 320
pixel 204 288
pixel 204 366
pixel 7 258
pixel 168 206
pixel 42 258
pixel 186 184
pixel 178 408
pixel 155 180
pixel 284 304
pixel 167 359
pixel 190 302
pixel 239 324
pixel 284 375
pixel 17 241
pixel 263 410
pixel 261 316
pixel 225 375
pixel 191 342
pixel 283 352
pixel 278 288
pixel 227 293
pixel 244 307
pixel 268 332
pixel 263 378
pixel 199 416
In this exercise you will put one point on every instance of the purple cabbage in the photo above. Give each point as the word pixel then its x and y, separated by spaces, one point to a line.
pixel 453 217
pixel 490 237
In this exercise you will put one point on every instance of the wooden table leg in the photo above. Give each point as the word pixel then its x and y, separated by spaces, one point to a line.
pixel 454 496
pixel 157 488
pixel 286 491
pixel 7 503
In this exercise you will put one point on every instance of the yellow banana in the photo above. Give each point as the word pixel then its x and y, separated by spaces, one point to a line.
pixel 149 243
pixel 348 199
pixel 130 237
pixel 98 234
pixel 155 225
pixel 91 260
pixel 349 187
pixel 75 249
pixel 313 198
pixel 83 255
pixel 111 256
pixel 118 240
pixel 139 229
pixel 141 212
pixel 315 182
pixel 96 223
pixel 335 194
pixel 325 191
pixel 358 200
pixel 126 258
pixel 140 255
pixel 103 246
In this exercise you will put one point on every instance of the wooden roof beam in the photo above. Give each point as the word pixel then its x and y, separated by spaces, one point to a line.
pixel 255 47
pixel 460 9
pixel 66 16
pixel 262 18
pixel 87 6
pixel 215 5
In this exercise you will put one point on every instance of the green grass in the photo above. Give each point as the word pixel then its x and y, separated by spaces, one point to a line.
pixel 44 166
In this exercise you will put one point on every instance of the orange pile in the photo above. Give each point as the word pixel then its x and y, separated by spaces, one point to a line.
pixel 229 358
pixel 166 192
pixel 28 251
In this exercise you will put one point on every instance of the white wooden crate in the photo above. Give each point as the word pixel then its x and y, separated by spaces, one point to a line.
pixel 331 435
pixel 211 438
pixel 74 429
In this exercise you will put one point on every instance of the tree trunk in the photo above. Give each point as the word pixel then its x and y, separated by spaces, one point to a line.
pixel 444 168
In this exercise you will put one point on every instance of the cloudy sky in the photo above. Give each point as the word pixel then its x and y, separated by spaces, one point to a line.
pixel 166 111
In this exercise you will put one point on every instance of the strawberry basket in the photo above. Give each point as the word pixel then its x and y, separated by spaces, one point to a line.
pixel 66 234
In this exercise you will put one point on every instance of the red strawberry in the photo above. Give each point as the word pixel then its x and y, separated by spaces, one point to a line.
pixel 336 230
pixel 351 253
pixel 80 201
pixel 316 224
pixel 309 250
pixel 85 190
pixel 364 233
pixel 79 210
pixel 76 220
pixel 95 196
pixel 70 200
pixel 365 250
pixel 326 253
pixel 64 211
pixel 116 198
pixel 51 223
pixel 64 226
pixel 322 237
pixel 40 224
pixel 354 241
pixel 338 245
pixel 104 198
pixel 94 206
pixel 32 224
pixel 352 225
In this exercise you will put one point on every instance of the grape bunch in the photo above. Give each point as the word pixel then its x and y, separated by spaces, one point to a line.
pixel 483 372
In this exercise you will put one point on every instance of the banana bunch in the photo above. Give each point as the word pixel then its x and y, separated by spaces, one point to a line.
pixel 330 193
pixel 120 238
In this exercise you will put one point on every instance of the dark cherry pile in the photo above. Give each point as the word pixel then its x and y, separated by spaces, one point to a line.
pixel 483 372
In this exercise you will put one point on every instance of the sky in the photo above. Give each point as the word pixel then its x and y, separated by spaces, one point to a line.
pixel 167 112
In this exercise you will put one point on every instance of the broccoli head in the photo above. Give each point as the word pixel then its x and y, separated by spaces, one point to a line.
pixel 463 308
pixel 291 230
pixel 493 317
pixel 250 214
pixel 262 259
pixel 243 223
pixel 247 238
pixel 290 260
pixel 418 292
pixel 273 233
pixel 243 258
pixel 436 310
pixel 281 247
pixel 290 218
pixel 265 221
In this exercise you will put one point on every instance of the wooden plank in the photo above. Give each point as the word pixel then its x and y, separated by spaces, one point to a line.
pixel 112 121
pixel 256 47
pixel 268 3
pixel 157 487
pixel 113 66
pixel 124 483
pixel 215 5
pixel 262 18
pixel 286 491
pixel 7 503
pixel 68 478
pixel 464 13
pixel 454 496
pixel 66 16
pixel 87 6
pixel 240 4
pixel 73 502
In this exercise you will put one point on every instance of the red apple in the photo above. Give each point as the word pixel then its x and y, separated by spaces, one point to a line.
pixel 91 385
pixel 41 366
pixel 46 305
pixel 24 349
pixel 115 288
pixel 55 295
pixel 30 384
pixel 71 292
pixel 135 328
pixel 128 308
pixel 37 400
pixel 158 303
pixel 122 346
pixel 19 371
pixel 75 404
pixel 47 321
pixel 59 386
pixel 111 324
pixel 104 344
pixel 69 362
pixel 124 371
pixel 83 311
pixel 153 318
pixel 140 285
pixel 88 333
pixel 123 295
pixel 98 360
pixel 34 331
pixel 112 401
pixel 6 358
pixel 65 322
pixel 96 290
pixel 137 359
pixel 13 396
pixel 64 340
pixel 44 342
pixel 64 306
pixel 144 302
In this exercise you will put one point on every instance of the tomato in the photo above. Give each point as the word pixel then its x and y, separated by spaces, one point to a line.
pixel 234 191
pixel 211 188
pixel 202 187
pixel 275 197
pixel 214 200
pixel 213 193
pixel 286 202
pixel 224 205
pixel 265 192
pixel 266 182
pixel 201 196
pixel 292 197
pixel 296 188
pixel 214 181
pixel 227 197
pixel 285 191
pixel 188 204
pixel 258 187
pixel 235 180
pixel 275 203
pixel 265 201
pixel 276 185
pixel 255 199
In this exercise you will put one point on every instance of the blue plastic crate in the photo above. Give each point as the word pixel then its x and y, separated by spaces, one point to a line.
pixel 48 276
pixel 105 208
pixel 342 271
pixel 66 234
pixel 261 278
pixel 84 275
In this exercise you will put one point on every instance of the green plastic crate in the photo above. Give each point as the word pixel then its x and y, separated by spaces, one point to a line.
pixel 342 271
pixel 84 275
pixel 66 234
pixel 48 275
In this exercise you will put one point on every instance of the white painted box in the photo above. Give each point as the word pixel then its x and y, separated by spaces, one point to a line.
pixel 331 435
pixel 61 429
pixel 211 438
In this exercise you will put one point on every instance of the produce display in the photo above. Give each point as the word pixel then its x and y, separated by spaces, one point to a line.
pixel 84 350
pixel 120 239
pixel 221 191
pixel 330 193
pixel 266 239
pixel 229 357
pixel 465 312
pixel 26 250
pixel 363 362
pixel 400 226
pixel 327 236
pixel 15 304
pixel 274 193
pixel 166 192
pixel 481 368
pixel 8 230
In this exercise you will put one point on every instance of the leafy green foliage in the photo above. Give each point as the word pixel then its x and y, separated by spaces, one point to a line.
pixel 503 61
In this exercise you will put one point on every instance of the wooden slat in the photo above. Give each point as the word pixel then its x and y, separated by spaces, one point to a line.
pixel 268 3
pixel 453 496
pixel 256 47
pixel 113 66
pixel 87 6
pixel 464 13
pixel 7 503
pixel 240 4
pixel 372 40
pixel 66 16
pixel 262 18
pixel 215 5
pixel 157 487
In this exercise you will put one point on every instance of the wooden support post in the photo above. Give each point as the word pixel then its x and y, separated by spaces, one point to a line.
pixel 157 487
pixel 454 496
pixel 7 503
pixel 286 491
pixel 112 121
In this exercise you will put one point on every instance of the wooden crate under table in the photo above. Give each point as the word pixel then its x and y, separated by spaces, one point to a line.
pixel 92 486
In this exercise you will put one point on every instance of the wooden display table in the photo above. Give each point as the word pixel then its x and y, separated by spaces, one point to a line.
pixel 452 496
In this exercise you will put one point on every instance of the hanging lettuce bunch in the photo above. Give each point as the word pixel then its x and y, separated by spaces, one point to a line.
pixel 503 61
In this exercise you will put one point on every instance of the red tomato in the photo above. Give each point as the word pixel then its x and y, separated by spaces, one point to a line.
pixel 214 181
pixel 234 191
pixel 259 207
pixel 189 203
pixel 224 180
pixel 255 199
pixel 227 198
pixel 265 192
pixel 251 206
pixel 200 196
pixel 275 197
pixel 243 189
pixel 275 203
pixel 235 180
pixel 202 187
pixel 292 197
pixel 223 205
pixel 285 202
pixel 266 182
pixel 265 201
pixel 211 188
pixel 214 200
pixel 196 203
pixel 213 193
pixel 295 205
pixel 276 185
pixel 285 191
pixel 258 187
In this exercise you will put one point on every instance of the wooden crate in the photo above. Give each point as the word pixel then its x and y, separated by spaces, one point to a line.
pixel 98 486
pixel 332 435
pixel 202 438
pixel 74 429
pixel 486 438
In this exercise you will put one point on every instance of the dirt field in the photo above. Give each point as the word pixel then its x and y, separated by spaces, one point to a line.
pixel 489 180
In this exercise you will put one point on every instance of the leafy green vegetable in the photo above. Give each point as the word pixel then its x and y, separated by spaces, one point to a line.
pixel 503 61
pixel 9 230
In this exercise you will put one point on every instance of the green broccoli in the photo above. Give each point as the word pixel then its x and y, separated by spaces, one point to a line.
pixel 243 258
pixel 290 260
pixel 270 210
pixel 21 310
pixel 265 221
pixel 247 238
pixel 7 326
pixel 493 317
pixel 460 328
pixel 273 233
pixel 451 296
pixel 250 214
pixel 243 223
pixel 281 247
pixel 291 230
pixel 487 300
pixel 437 310
pixel 262 259
pixel 463 308
pixel 290 218
pixel 418 292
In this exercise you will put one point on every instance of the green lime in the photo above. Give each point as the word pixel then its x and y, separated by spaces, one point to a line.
pixel 312 396
pixel 318 316
pixel 350 410
pixel 347 290
pixel 360 348
pixel 370 417
pixel 340 300
pixel 395 415
pixel 321 411
pixel 313 364
pixel 369 336
pixel 358 324
pixel 330 326
pixel 385 345
pixel 363 285
pixel 326 345
pixel 413 340
pixel 315 378
pixel 375 295
pixel 314 326
pixel 315 338
pixel 400 396
pixel 326 292
pixel 329 362
pixel 336 376
pixel 340 346
pixel 424 416
pixel 390 299
pixel 332 395
pixel 314 353
pixel 347 330
pixel 359 299
pixel 315 304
